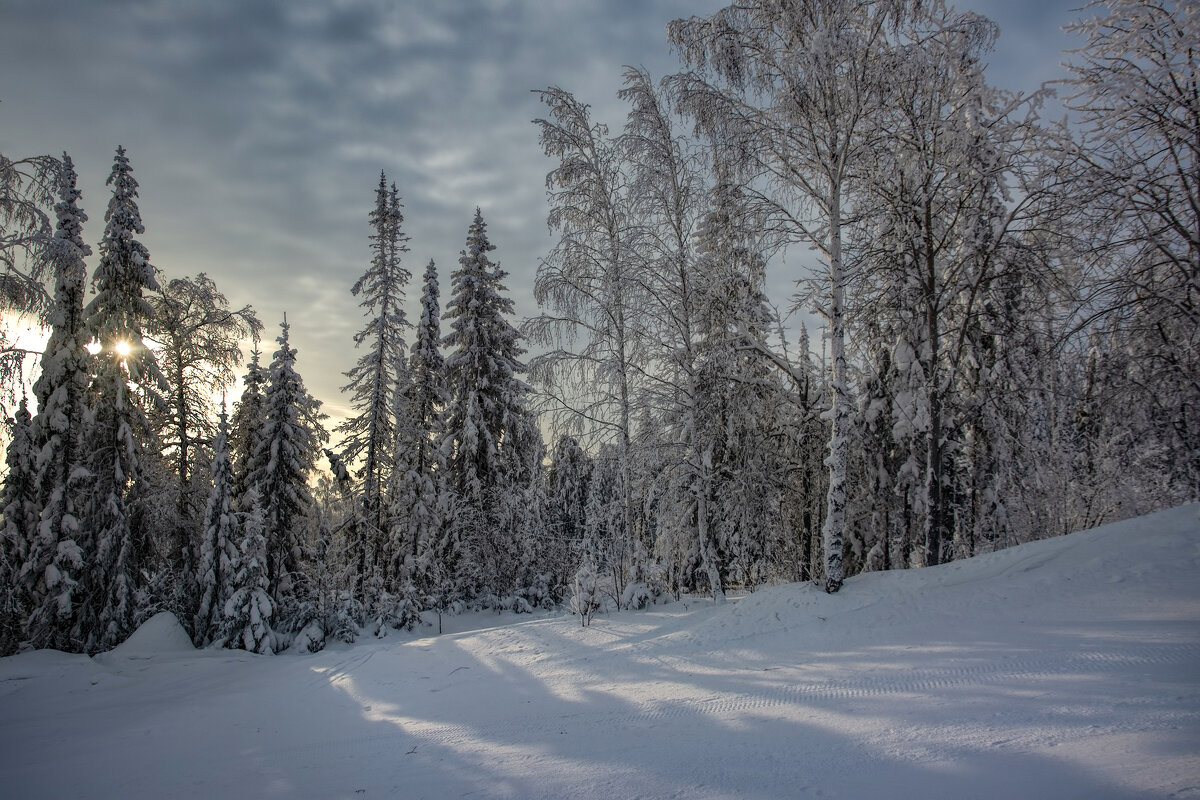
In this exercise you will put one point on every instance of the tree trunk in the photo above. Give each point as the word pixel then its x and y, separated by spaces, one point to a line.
pixel 839 442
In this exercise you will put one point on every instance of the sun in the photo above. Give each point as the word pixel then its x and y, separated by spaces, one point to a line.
pixel 122 348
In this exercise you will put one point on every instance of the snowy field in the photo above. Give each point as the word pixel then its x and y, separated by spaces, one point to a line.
pixel 1066 668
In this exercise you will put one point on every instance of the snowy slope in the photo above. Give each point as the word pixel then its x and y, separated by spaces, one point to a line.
pixel 1066 668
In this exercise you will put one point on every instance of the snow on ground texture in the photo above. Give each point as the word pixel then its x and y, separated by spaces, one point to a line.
pixel 1066 668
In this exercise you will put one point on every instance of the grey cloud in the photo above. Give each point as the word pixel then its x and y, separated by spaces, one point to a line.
pixel 258 129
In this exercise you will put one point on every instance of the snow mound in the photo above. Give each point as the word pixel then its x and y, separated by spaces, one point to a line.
pixel 162 633
pixel 37 663
pixel 1139 553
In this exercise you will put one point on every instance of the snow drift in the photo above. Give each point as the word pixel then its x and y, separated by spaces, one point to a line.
pixel 1063 668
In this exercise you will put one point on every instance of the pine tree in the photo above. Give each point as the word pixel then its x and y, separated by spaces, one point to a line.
pixel 116 317
pixel 380 372
pixel 486 406
pixel 60 549
pixel 219 545
pixel 285 457
pixel 247 613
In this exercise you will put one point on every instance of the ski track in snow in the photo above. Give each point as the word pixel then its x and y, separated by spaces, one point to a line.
pixel 1064 668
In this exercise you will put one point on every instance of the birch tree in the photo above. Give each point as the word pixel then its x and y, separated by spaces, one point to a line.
pixel 792 91
pixel 1136 88
pixel 28 187
pixel 200 345
pixel 950 195
pixel 589 287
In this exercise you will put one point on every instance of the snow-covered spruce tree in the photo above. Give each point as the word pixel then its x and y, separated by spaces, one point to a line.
pixel 876 537
pixel 337 612
pixel 200 338
pixel 116 317
pixel 604 545
pixel 369 435
pixel 246 427
pixel 418 515
pixel 219 543
pixel 286 454
pixel 57 553
pixel 567 489
pixel 520 511
pixel 586 598
pixel 792 90
pixel 740 395
pixel 1008 394
pixel 424 506
pixel 804 435
pixel 247 614
pixel 18 525
pixel 1137 92
pixel 487 404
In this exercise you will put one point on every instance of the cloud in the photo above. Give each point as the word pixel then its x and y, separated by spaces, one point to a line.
pixel 258 129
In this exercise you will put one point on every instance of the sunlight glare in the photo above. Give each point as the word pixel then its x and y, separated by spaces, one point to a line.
pixel 122 348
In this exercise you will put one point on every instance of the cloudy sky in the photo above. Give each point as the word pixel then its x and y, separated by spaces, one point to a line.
pixel 257 130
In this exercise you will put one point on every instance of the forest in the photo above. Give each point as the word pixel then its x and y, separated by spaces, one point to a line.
pixel 1008 349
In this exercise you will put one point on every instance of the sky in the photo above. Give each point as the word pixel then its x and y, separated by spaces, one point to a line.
pixel 257 130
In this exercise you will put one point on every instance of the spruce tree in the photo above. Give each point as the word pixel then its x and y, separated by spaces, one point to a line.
pixel 417 496
pixel 57 553
pixel 568 488
pixel 116 317
pixel 737 398
pixel 247 614
pixel 381 371
pixel 246 427
pixel 283 460
pixel 218 547
pixel 18 507
pixel 486 406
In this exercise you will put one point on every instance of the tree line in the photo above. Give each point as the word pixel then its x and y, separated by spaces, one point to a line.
pixel 1008 350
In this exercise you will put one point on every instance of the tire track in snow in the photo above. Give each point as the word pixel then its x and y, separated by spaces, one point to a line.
pixel 341 668
pixel 534 728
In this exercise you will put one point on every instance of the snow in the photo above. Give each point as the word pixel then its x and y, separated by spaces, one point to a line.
pixel 1066 668
pixel 161 634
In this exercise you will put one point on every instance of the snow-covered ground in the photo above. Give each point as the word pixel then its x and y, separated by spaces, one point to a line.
pixel 1066 668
